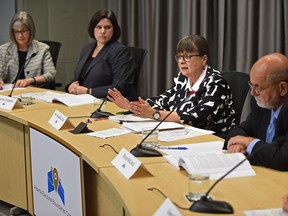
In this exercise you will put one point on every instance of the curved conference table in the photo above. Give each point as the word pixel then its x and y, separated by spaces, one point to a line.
pixel 104 190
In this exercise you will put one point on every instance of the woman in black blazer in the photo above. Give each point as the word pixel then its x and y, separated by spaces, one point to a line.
pixel 104 63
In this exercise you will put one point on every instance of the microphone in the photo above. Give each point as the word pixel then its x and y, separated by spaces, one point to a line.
pixel 143 151
pixel 206 205
pixel 27 61
pixel 102 114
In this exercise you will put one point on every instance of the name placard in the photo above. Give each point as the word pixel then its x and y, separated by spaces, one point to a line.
pixel 9 103
pixel 58 120
pixel 167 208
pixel 126 163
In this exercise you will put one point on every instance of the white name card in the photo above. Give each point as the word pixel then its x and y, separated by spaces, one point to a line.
pixel 126 163
pixel 167 208
pixel 9 103
pixel 58 120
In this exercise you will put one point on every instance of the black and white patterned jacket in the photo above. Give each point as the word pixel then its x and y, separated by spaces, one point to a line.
pixel 210 107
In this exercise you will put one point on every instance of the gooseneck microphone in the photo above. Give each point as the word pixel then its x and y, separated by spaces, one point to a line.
pixel 27 61
pixel 206 205
pixel 143 151
pixel 102 114
pixel 98 113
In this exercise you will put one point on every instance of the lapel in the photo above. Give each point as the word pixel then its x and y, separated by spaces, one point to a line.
pixel 282 117
pixel 13 52
pixel 98 58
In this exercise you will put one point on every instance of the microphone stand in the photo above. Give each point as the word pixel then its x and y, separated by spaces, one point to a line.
pixel 206 205
pixel 142 151
pixel 102 114
pixel 18 75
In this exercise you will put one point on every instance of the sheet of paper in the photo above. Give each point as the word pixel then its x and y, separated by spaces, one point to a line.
pixel 128 118
pixel 137 126
pixel 266 212
pixel 187 132
pixel 8 87
pixel 111 132
pixel 196 147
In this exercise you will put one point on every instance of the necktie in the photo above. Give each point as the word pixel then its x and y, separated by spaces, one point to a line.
pixel 271 129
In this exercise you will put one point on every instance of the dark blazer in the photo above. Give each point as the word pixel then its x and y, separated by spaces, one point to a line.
pixel 273 155
pixel 109 68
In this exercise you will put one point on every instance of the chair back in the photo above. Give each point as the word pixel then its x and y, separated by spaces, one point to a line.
pixel 54 49
pixel 138 55
pixel 238 82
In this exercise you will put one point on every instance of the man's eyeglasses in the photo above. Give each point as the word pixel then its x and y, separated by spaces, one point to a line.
pixel 258 89
pixel 22 32
pixel 186 58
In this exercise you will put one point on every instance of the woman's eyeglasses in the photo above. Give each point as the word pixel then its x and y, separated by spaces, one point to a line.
pixel 22 32
pixel 186 58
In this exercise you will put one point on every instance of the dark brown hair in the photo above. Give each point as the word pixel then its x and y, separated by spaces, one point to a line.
pixel 108 14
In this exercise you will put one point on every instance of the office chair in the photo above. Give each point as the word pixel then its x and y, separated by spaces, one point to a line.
pixel 138 55
pixel 238 82
pixel 54 50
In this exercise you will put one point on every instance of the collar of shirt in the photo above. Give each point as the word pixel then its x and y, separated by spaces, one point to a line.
pixel 276 113
pixel 196 85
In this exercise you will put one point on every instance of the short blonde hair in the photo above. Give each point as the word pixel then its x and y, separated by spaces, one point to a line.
pixel 24 20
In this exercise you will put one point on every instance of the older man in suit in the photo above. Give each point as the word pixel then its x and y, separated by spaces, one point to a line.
pixel 259 136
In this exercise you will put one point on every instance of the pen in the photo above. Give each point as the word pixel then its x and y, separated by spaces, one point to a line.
pixel 172 148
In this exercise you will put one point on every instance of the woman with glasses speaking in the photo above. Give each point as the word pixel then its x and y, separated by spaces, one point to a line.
pixel 24 60
pixel 199 97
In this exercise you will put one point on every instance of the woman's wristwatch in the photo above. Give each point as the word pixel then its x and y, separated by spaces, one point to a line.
pixel 89 91
pixel 156 115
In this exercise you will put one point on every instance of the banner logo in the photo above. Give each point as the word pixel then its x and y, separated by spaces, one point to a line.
pixel 54 184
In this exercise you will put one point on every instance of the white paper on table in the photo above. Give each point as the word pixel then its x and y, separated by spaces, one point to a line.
pixel 187 132
pixel 8 87
pixel 111 132
pixel 67 99
pixel 196 147
pixel 266 212
pixel 216 164
pixel 129 118
pixel 138 126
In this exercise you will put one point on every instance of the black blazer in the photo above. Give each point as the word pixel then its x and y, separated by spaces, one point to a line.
pixel 109 68
pixel 274 155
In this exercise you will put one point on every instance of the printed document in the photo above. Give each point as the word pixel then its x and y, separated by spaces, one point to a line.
pixel 67 99
pixel 187 132
pixel 216 164
pixel 138 126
